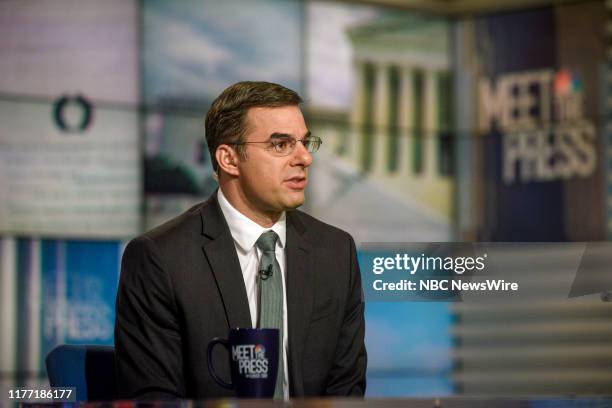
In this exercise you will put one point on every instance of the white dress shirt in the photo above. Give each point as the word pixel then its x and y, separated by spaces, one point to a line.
pixel 245 233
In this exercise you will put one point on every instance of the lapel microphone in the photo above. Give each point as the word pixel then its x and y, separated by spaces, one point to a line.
pixel 265 273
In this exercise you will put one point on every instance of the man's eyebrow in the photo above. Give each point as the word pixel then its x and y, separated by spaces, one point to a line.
pixel 278 135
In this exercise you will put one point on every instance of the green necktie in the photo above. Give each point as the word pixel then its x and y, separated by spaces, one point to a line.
pixel 271 298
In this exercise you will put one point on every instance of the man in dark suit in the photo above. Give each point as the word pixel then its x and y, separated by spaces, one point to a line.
pixel 198 275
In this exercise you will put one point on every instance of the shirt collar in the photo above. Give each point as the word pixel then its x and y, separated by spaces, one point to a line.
pixel 245 231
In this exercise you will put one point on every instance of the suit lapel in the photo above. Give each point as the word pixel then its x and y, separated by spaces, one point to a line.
pixel 221 254
pixel 300 286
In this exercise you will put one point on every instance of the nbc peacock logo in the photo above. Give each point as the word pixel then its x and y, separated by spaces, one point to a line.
pixel 568 96
pixel 566 82
pixel 260 351
pixel 251 359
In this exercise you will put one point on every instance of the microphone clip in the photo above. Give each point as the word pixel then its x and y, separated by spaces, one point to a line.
pixel 265 273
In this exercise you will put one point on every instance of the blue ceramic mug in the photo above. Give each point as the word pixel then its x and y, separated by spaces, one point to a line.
pixel 253 359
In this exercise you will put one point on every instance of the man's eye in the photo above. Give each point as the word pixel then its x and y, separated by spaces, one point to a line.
pixel 280 144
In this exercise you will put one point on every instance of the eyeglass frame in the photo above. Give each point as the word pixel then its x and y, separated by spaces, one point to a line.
pixel 294 142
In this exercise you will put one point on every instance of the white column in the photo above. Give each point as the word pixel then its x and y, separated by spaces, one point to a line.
pixel 430 123
pixel 8 302
pixel 405 115
pixel 381 120
pixel 357 113
pixel 34 299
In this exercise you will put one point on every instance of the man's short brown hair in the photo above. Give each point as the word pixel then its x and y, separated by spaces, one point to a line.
pixel 226 118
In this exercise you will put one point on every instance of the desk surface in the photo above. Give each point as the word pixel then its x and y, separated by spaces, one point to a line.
pixel 452 402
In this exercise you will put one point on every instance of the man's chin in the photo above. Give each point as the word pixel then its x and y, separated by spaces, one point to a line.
pixel 295 201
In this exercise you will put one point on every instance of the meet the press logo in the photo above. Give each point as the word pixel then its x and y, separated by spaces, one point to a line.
pixel 251 359
pixel 542 117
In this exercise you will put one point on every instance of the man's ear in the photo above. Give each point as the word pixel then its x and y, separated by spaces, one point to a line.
pixel 227 159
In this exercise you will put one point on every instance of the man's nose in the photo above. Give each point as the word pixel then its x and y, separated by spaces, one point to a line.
pixel 301 156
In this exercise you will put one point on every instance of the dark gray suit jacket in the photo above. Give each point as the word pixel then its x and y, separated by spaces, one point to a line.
pixel 181 285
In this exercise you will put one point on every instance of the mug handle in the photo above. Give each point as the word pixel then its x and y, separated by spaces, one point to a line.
pixel 211 369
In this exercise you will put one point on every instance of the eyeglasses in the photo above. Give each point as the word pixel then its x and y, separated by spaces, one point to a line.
pixel 284 146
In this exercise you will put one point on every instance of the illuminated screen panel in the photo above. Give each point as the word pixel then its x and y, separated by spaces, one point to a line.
pixel 539 168
pixel 378 94
pixel 57 296
pixel 177 169
pixel 69 169
pixel 70 162
pixel 192 50
pixel 195 49
pixel 54 47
